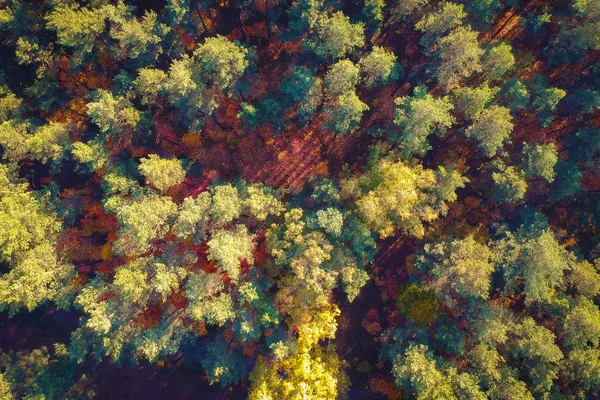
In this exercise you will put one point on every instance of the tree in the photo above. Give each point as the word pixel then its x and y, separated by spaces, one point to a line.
pixel 345 114
pixel 402 9
pixel 471 102
pixel 509 185
pixel 342 77
pixel 497 61
pixel 372 13
pixel 492 128
pixel 309 372
pixel 160 172
pixel 228 248
pixel 223 365
pixel 581 327
pixel 568 180
pixel 192 83
pixel 456 56
pixel 540 159
pixel 536 261
pixel 77 28
pixel 439 22
pixel 515 94
pixel 226 205
pixel 142 220
pixel 112 114
pixel 379 67
pixel 420 116
pixel 138 40
pixel 29 230
pixel 484 11
pixel 391 194
pixel 208 302
pixel 335 36
pixel 536 344
pixel 149 84
pixel 459 267
pixel 305 90
pixel 221 62
pixel 545 99
pixel 417 371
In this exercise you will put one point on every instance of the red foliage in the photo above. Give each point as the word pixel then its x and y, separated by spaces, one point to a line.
pixel 371 322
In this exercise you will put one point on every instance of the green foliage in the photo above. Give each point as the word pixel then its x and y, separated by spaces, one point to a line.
pixel 160 172
pixel 305 90
pixel 540 160
pixel 472 102
pixel 545 99
pixel 226 205
pixel 77 28
pixel 509 185
pixel 455 57
pixel 484 11
pixel 535 262
pixel 228 248
pixel 28 237
pixel 335 36
pixel 460 268
pixel 221 62
pixel 417 304
pixel 141 220
pixel 417 370
pixel 345 114
pixel 379 67
pixel 492 128
pixel 420 116
pixel 223 365
pixel 497 61
pixel 436 24
pixel 112 114
pixel 342 77
pixel 207 300
pixel 411 204
pixel 93 153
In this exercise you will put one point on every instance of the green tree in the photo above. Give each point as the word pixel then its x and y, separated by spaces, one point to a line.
pixel 229 247
pixel 417 371
pixel 335 36
pixel 540 159
pixel 29 230
pixel 77 28
pixel 545 99
pixel 160 172
pixel 226 204
pixel 471 102
pixel 455 57
pixel 420 116
pixel 439 22
pixel 515 94
pixel 343 76
pixel 459 267
pixel 384 200
pixel 497 61
pixel 305 89
pixel 141 220
pixel 509 185
pixel 379 67
pixel 112 114
pixel 492 128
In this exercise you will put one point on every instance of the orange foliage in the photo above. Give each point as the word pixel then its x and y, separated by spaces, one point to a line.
pixel 149 317
pixel 385 387
pixel 178 299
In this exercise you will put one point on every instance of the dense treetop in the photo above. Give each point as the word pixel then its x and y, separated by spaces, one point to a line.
pixel 313 199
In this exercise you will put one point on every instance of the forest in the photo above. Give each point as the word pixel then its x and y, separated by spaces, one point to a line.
pixel 300 199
